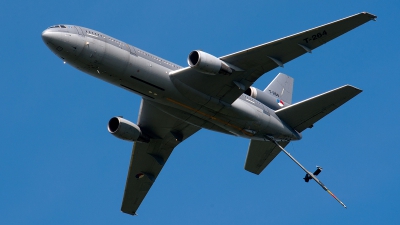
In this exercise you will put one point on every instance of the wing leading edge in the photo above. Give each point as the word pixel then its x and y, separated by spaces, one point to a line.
pixel 256 61
pixel 148 159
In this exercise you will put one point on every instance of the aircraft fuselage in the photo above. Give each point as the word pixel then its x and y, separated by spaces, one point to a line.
pixel 148 75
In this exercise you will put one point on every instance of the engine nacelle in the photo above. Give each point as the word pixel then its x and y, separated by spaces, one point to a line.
pixel 208 64
pixel 126 130
pixel 267 99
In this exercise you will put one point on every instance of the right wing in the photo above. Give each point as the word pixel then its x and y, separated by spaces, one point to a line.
pixel 260 154
pixel 304 114
pixel 263 58
pixel 253 62
pixel 148 159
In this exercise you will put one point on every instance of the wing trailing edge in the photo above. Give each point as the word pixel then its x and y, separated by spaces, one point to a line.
pixel 304 114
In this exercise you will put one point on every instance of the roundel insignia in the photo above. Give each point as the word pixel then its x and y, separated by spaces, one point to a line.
pixel 280 102
pixel 139 175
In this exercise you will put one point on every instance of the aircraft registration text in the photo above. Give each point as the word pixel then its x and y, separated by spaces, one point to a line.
pixel 315 36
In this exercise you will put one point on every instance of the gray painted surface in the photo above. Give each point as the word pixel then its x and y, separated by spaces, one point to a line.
pixel 177 101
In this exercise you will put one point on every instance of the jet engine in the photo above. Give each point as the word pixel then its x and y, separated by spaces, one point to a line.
pixel 208 64
pixel 126 130
pixel 265 98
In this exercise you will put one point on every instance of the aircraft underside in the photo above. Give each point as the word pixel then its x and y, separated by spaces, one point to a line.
pixel 214 93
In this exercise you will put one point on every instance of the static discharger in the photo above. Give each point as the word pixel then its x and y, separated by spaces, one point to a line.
pixel 309 175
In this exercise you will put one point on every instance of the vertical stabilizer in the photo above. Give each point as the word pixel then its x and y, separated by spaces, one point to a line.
pixel 281 87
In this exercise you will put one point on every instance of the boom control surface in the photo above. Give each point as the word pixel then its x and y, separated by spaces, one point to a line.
pixel 308 177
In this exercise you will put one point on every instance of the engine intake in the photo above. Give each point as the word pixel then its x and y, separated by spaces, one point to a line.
pixel 208 64
pixel 126 130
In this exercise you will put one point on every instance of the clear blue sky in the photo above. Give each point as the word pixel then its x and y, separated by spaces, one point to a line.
pixel 59 165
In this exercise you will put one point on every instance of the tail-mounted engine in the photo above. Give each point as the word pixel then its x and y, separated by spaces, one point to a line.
pixel 208 64
pixel 126 130
pixel 267 99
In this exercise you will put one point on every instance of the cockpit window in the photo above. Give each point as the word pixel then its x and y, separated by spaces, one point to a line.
pixel 58 26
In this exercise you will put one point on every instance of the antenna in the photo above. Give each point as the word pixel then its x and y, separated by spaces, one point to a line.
pixel 309 174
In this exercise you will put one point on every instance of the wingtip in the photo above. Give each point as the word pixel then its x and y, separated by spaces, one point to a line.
pixel 372 16
pixel 248 169
pixel 132 213
pixel 353 87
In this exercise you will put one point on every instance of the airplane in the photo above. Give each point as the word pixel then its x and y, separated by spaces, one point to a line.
pixel 213 93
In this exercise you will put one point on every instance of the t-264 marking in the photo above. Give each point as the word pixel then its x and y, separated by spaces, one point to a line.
pixel 315 36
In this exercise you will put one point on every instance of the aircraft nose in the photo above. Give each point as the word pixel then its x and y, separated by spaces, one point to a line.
pixel 55 40
pixel 48 37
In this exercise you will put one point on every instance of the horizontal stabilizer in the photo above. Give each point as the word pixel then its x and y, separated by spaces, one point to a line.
pixel 260 154
pixel 304 114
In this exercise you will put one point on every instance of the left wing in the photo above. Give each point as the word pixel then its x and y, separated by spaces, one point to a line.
pixel 250 64
pixel 147 159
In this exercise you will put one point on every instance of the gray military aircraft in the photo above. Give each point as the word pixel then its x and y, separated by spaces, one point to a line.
pixel 214 93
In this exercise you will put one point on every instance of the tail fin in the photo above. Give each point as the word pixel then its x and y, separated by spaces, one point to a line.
pixel 281 87
pixel 304 114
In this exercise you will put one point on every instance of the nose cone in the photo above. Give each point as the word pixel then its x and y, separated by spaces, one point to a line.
pixel 54 37
pixel 56 40
pixel 63 43
pixel 48 37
